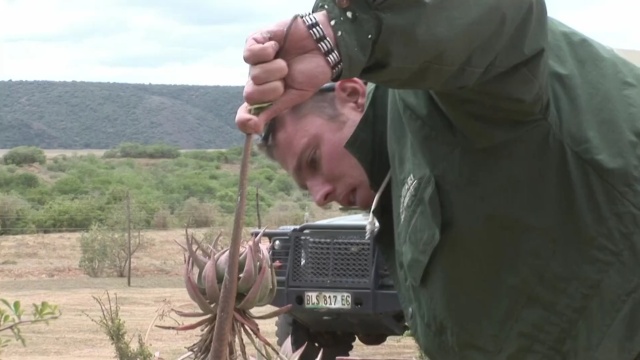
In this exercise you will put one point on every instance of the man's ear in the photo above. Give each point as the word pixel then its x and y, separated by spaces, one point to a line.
pixel 351 94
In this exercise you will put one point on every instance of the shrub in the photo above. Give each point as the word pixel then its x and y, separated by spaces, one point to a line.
pixel 162 151
pixel 106 251
pixel 69 185
pixel 284 213
pixel 68 214
pixel 20 182
pixel 14 214
pixel 203 155
pixel 113 326
pixel 26 180
pixel 94 247
pixel 282 183
pixel 234 154
pixel 195 213
pixel 226 200
pixel 135 150
pixel 24 155
pixel 162 219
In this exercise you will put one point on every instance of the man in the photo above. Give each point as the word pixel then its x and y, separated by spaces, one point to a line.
pixel 511 219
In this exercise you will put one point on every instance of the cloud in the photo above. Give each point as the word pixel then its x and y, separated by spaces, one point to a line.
pixel 184 42
pixel 193 41
pixel 611 22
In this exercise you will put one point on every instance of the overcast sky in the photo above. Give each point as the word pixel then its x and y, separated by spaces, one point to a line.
pixel 195 41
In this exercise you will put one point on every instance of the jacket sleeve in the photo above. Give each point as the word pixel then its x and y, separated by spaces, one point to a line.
pixel 478 53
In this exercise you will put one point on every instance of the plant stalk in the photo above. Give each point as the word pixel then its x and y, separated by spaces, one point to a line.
pixel 226 304
pixel 222 330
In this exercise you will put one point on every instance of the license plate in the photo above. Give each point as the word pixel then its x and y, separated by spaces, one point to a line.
pixel 327 300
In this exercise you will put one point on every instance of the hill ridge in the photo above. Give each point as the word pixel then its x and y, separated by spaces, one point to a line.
pixel 99 115
pixel 73 114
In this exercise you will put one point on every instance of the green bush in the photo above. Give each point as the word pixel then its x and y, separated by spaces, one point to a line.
pixel 24 155
pixel 94 247
pixel 282 184
pixel 104 251
pixel 203 155
pixel 234 154
pixel 26 180
pixel 135 150
pixel 15 214
pixel 69 185
pixel 113 326
pixel 284 213
pixel 195 213
pixel 19 181
pixel 162 219
pixel 68 214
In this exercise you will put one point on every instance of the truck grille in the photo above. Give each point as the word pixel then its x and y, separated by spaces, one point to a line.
pixel 330 258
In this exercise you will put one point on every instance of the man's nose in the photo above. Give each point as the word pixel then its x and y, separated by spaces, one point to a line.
pixel 322 192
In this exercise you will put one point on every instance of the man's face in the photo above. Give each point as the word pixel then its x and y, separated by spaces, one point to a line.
pixel 311 149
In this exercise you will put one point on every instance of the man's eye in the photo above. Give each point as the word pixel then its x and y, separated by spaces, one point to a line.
pixel 313 161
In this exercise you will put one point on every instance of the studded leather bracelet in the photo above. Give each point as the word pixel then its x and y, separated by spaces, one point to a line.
pixel 325 45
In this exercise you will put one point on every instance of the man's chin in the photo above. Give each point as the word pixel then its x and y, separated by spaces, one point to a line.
pixel 366 203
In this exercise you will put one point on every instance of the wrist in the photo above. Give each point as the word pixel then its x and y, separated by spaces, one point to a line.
pixel 325 22
pixel 319 27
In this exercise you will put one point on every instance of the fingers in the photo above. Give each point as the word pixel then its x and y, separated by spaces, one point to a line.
pixel 266 82
pixel 263 46
pixel 259 94
pixel 246 122
pixel 251 124
pixel 256 53
pixel 266 74
pixel 268 71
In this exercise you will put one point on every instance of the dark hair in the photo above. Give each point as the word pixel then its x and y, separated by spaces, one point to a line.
pixel 323 102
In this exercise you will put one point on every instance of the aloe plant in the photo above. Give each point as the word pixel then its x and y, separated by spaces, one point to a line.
pixel 204 272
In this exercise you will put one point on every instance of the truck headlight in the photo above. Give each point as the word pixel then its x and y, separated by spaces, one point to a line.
pixel 277 245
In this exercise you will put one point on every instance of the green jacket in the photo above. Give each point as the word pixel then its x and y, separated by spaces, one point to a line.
pixel 512 218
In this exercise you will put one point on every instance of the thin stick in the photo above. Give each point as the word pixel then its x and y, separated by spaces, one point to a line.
pixel 226 304
pixel 258 206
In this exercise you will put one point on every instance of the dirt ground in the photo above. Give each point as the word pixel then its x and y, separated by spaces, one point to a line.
pixel 45 267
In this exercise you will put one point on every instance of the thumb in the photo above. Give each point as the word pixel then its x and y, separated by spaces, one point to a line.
pixel 288 100
pixel 247 122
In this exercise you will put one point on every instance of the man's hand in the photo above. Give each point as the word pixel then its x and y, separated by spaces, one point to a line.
pixel 286 67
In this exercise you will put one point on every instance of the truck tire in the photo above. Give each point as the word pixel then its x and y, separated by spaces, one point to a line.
pixel 336 346
pixel 372 339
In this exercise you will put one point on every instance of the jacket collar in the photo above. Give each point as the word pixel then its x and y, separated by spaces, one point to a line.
pixel 368 143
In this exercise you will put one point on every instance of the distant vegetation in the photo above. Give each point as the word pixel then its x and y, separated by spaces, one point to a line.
pixel 89 115
pixel 24 155
pixel 167 188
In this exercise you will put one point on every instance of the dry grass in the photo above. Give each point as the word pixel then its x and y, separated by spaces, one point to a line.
pixel 46 268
